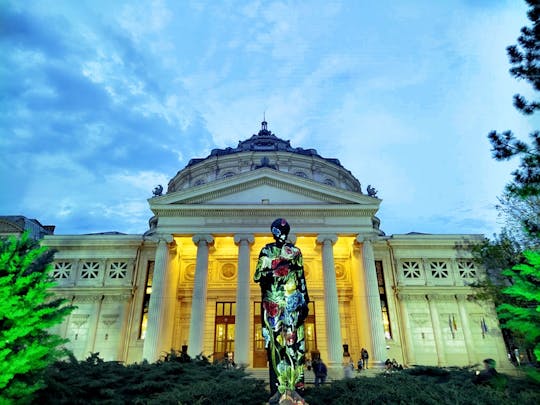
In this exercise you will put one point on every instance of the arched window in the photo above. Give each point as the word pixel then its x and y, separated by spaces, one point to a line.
pixel 329 182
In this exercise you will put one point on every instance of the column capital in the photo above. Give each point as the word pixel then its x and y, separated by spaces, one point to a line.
pixel 330 237
pixel 248 237
pixel 365 238
pixel 160 237
pixel 203 238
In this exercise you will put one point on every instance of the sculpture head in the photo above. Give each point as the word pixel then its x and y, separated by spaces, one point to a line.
pixel 280 230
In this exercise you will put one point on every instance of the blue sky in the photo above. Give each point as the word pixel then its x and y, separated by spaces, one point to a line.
pixel 103 100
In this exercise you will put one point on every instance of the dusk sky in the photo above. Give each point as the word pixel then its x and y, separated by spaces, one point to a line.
pixel 103 100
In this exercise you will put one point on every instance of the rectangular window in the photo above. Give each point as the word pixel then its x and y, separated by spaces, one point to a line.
pixel 310 332
pixel 146 299
pixel 224 330
pixel 384 302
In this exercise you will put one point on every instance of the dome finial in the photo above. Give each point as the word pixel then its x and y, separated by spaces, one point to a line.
pixel 264 124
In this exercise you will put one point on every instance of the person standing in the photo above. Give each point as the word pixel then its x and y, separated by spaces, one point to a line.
pixel 365 357
pixel 284 307
pixel 319 368
pixel 516 355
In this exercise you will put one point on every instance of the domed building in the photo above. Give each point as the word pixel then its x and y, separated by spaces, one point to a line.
pixel 187 282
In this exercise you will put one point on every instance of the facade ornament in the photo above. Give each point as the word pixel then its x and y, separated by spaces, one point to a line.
pixel 158 191
pixel 371 191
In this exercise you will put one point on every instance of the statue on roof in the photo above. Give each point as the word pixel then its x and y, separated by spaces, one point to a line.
pixel 158 191
pixel 371 191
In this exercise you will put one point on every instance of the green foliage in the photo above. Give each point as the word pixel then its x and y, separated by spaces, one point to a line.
pixel 516 212
pixel 423 385
pixel 524 316
pixel 27 310
pixel 175 381
pixel 95 381
pixel 525 60
pixel 495 255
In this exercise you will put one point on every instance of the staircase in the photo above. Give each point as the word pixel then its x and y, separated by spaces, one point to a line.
pixel 309 376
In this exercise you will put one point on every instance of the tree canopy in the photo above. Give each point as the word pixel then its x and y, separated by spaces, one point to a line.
pixel 27 310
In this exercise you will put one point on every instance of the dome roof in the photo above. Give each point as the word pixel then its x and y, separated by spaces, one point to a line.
pixel 264 149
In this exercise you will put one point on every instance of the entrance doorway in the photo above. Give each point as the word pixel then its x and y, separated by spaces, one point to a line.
pixel 224 330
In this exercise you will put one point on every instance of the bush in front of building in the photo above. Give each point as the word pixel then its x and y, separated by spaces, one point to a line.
pixel 424 385
pixel 94 381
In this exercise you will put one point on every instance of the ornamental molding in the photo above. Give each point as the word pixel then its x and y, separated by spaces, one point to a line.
pixel 268 211
pixel 89 298
pixel 420 318
pixel 102 242
pixel 116 298
pixel 441 297
pixel 109 319
pixel 412 297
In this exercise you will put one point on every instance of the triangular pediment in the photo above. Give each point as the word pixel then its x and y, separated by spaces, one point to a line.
pixel 263 186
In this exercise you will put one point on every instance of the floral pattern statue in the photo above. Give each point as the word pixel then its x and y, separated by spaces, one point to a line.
pixel 280 273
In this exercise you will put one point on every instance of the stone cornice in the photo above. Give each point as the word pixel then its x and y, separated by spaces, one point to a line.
pixel 435 290
pixel 101 241
pixel 428 241
pixel 69 292
pixel 262 211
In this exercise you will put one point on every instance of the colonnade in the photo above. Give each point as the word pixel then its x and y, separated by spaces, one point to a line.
pixel 158 330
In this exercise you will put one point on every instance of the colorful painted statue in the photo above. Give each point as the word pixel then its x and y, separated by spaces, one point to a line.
pixel 280 273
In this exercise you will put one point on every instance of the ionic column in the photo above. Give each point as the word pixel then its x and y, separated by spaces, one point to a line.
pixel 374 301
pixel 464 318
pixel 156 308
pixel 436 324
pixel 241 344
pixel 409 353
pixel 198 303
pixel 333 324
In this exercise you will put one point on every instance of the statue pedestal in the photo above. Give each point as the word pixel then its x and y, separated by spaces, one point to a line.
pixel 287 398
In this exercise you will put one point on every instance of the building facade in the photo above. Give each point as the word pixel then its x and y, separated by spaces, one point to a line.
pixel 188 280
